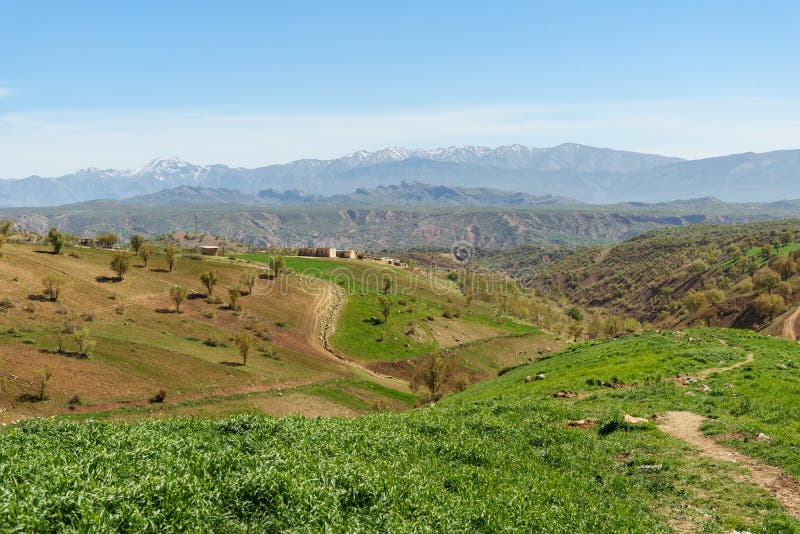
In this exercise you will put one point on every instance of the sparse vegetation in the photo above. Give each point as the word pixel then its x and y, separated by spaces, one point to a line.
pixel 53 283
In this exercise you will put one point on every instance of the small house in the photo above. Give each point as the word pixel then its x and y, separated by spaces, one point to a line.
pixel 209 250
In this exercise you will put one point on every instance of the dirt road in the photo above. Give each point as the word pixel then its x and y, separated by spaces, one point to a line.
pixel 686 426
pixel 790 325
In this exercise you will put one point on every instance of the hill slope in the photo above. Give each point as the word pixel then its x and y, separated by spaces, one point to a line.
pixel 502 456
pixel 651 276
pixel 385 227
pixel 141 345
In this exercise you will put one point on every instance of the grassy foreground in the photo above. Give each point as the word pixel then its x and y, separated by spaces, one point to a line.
pixel 496 457
pixel 463 469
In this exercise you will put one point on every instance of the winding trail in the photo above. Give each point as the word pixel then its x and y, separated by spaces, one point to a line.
pixel 790 325
pixel 784 488
pixel 705 373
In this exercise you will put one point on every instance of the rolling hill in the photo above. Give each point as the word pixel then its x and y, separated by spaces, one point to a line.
pixel 312 337
pixel 496 221
pixel 652 276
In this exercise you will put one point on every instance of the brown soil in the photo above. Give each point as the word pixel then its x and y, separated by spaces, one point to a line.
pixel 686 426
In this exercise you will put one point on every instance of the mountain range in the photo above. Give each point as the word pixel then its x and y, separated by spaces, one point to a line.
pixel 584 173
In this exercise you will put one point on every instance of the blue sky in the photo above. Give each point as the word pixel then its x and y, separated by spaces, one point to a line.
pixel 252 83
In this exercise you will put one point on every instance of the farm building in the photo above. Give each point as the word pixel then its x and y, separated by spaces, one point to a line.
pixel 346 254
pixel 318 252
pixel 393 261
pixel 209 250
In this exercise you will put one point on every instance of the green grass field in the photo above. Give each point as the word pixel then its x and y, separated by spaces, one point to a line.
pixel 416 307
pixel 495 457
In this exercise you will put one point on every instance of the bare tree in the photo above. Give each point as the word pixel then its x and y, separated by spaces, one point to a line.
pixel 434 374
pixel 52 283
pixel 41 383
pixel 249 280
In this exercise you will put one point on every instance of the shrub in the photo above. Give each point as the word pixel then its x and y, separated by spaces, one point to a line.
pixel 159 397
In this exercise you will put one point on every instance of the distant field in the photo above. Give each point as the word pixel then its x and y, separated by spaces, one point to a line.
pixel 142 346
pixel 417 306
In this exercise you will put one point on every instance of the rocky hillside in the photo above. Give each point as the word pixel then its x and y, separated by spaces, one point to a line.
pixel 383 228
pixel 697 274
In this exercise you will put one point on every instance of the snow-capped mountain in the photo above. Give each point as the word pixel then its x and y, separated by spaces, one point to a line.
pixel 582 172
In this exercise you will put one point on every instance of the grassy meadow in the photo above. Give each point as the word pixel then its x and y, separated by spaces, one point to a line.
pixel 498 456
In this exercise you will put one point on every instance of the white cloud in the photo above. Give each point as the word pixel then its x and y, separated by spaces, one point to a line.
pixel 55 143
pixel 5 91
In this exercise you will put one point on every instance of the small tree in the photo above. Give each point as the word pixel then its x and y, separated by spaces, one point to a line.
pixel 209 279
pixel 234 293
pixel 107 240
pixel 575 314
pixel 433 374
pixel 387 285
pixel 244 343
pixel 768 306
pixel 385 306
pixel 136 242
pixel 767 280
pixel 277 264
pixel 84 341
pixel 469 295
pixel 41 383
pixel 172 254
pixel 694 302
pixel 146 251
pixel 785 266
pixel 178 294
pixel 121 263
pixel 6 225
pixel 249 280
pixel 52 283
pixel 56 239
pixel 787 237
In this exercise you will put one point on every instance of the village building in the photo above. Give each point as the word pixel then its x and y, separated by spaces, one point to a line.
pixel 318 252
pixel 209 250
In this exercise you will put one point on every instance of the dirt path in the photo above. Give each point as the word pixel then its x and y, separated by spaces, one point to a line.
pixel 705 373
pixel 686 426
pixel 789 326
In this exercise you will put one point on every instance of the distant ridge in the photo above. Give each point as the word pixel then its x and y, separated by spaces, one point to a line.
pixel 584 173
